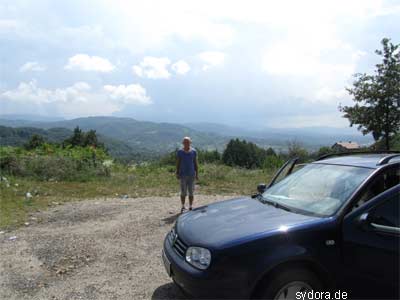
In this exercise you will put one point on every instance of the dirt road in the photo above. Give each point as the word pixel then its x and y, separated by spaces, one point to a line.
pixel 93 249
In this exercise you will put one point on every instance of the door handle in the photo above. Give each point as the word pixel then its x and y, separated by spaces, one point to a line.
pixel 386 229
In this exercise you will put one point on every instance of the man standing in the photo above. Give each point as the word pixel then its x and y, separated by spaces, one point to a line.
pixel 187 171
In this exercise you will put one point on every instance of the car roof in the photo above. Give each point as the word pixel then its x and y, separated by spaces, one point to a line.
pixel 359 160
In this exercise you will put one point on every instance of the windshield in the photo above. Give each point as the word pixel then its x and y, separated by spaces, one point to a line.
pixel 317 188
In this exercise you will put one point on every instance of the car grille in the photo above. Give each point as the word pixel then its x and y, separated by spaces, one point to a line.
pixel 177 244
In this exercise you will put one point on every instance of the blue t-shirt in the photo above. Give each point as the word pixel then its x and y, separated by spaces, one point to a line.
pixel 186 167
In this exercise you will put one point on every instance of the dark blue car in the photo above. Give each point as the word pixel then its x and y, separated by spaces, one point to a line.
pixel 328 226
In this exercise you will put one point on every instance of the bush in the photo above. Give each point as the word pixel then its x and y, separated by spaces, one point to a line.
pixel 205 156
pixel 273 162
pixel 243 154
pixel 296 149
pixel 53 162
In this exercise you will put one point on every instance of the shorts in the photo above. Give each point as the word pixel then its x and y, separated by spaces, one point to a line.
pixel 187 185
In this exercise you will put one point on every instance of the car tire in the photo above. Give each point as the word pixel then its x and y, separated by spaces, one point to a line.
pixel 287 282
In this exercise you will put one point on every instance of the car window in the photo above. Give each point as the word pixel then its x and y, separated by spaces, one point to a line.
pixel 317 188
pixel 382 182
pixel 387 213
pixel 284 172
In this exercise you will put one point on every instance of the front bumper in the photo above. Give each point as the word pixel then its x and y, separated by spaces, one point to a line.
pixel 202 283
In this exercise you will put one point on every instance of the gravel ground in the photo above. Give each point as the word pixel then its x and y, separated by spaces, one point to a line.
pixel 93 249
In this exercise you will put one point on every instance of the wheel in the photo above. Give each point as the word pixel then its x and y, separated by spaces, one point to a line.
pixel 288 284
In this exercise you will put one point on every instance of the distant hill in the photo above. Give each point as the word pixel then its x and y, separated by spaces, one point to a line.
pixel 124 136
pixel 10 136
pixel 30 117
pixel 310 137
pixel 141 136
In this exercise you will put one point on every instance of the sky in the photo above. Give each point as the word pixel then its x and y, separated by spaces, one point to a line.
pixel 245 63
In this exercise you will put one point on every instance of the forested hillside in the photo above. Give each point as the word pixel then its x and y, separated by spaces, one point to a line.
pixel 10 136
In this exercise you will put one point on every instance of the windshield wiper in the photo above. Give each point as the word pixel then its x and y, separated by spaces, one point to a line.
pixel 274 204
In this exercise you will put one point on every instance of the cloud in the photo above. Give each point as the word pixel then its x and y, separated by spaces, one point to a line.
pixel 181 67
pixel 8 25
pixel 31 93
pixel 153 67
pixel 85 62
pixel 32 66
pixel 128 94
pixel 313 61
pixel 325 94
pixel 79 99
pixel 306 53
pixel 212 59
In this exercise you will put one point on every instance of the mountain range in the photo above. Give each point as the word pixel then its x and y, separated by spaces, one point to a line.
pixel 127 136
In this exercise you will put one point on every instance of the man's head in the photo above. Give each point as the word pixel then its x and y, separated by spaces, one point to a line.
pixel 186 142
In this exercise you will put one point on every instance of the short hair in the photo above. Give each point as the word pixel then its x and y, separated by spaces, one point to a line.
pixel 187 138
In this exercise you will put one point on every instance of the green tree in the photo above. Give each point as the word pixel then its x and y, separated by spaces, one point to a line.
pixel 243 154
pixel 205 156
pixel 377 97
pixel 77 138
pixel 324 150
pixel 270 152
pixel 295 149
pixel 35 141
pixel 91 139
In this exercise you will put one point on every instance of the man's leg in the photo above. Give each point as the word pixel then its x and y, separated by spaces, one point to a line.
pixel 183 183
pixel 191 191
pixel 191 198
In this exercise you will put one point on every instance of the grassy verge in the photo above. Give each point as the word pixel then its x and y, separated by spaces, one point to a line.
pixel 146 181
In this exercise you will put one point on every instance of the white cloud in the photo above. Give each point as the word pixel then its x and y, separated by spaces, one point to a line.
pixel 85 62
pixel 313 61
pixel 181 67
pixel 153 67
pixel 32 66
pixel 128 94
pixel 8 25
pixel 31 93
pixel 212 59
pixel 80 99
pixel 325 94
pixel 28 92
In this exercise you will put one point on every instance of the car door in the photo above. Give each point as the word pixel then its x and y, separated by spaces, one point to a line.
pixel 371 239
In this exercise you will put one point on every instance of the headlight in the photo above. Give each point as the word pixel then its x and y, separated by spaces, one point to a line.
pixel 198 257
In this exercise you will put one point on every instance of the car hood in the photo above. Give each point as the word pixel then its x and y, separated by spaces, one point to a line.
pixel 235 220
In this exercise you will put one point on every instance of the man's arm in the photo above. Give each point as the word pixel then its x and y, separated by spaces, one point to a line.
pixel 196 167
pixel 178 165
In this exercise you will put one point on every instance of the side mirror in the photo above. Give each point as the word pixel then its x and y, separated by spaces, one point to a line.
pixel 363 220
pixel 261 188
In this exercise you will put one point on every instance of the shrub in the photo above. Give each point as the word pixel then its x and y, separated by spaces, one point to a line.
pixel 273 162
pixel 243 154
pixel 53 162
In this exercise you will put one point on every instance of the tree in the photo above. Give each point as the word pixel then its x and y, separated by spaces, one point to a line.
pixel 205 156
pixel 77 138
pixel 91 139
pixel 377 97
pixel 243 154
pixel 295 149
pixel 324 151
pixel 270 152
pixel 83 139
pixel 35 141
